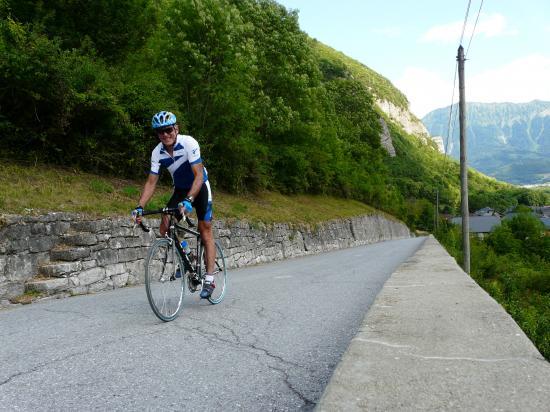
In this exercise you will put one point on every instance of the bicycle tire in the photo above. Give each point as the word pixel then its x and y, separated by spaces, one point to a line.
pixel 220 276
pixel 165 290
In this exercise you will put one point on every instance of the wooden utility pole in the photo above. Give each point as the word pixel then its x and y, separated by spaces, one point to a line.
pixel 463 164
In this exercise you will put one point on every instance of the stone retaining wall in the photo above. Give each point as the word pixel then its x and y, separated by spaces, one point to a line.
pixel 68 254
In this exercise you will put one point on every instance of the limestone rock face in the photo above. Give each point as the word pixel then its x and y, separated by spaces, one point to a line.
pixel 385 138
pixel 408 122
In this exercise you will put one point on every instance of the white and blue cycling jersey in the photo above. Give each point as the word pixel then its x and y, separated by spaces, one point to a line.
pixel 186 153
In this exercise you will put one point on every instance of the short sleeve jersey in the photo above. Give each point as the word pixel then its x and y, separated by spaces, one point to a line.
pixel 186 153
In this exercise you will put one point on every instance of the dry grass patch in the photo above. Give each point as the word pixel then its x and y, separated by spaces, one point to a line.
pixel 38 189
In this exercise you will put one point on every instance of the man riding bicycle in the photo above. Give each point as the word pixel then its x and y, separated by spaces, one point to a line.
pixel 180 154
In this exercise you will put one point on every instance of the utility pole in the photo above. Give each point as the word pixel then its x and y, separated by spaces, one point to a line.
pixel 463 164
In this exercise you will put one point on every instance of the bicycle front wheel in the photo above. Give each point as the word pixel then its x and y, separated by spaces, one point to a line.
pixel 165 280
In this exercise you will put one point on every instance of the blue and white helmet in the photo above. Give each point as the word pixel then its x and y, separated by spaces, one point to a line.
pixel 163 119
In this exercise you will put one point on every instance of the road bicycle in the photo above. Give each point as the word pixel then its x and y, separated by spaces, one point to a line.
pixel 170 271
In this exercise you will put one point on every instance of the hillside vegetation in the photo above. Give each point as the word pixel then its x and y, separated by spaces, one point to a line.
pixel 272 109
pixel 288 127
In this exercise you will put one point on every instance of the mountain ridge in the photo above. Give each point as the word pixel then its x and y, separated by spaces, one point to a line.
pixel 508 141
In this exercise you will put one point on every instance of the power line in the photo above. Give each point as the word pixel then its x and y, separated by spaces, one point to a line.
pixel 450 114
pixel 449 135
pixel 474 29
pixel 465 21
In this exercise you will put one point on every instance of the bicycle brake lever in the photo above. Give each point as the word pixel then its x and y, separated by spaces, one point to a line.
pixel 144 227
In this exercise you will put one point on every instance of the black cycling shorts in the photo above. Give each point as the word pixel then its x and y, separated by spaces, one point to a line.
pixel 202 203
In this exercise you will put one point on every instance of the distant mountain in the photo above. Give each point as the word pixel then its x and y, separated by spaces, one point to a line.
pixel 509 141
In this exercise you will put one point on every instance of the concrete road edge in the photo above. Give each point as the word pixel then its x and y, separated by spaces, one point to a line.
pixel 434 340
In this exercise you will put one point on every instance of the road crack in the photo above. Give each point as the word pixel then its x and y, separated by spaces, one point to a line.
pixel 73 355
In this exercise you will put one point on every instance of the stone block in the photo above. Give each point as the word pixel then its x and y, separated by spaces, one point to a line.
pixel 78 290
pixel 57 228
pixel 73 281
pixel 120 280
pixel 103 237
pixel 9 290
pixel 3 265
pixel 80 239
pixel 70 255
pixel 114 269
pixel 99 246
pixel 131 254
pixel 124 242
pixel 106 257
pixel 106 284
pixel 19 267
pixel 87 277
pixel 48 286
pixel 136 270
pixel 92 226
pixel 57 217
pixel 125 232
pixel 38 229
pixel 60 269
pixel 88 264
pixel 16 232
pixel 132 280
pixel 17 245
pixel 39 259
pixel 40 243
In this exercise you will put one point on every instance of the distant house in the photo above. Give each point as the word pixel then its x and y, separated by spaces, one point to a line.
pixel 486 211
pixel 479 225
pixel 541 210
pixel 535 213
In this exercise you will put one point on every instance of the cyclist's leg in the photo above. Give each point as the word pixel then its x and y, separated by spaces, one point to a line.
pixel 205 229
pixel 203 206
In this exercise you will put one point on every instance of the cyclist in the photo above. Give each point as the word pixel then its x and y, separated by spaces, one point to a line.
pixel 180 154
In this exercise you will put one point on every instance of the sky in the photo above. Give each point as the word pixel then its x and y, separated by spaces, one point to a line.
pixel 414 45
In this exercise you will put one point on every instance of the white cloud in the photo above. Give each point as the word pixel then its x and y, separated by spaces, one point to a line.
pixel 425 89
pixel 488 25
pixel 521 80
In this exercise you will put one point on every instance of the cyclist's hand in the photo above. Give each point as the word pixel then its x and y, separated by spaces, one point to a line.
pixel 185 207
pixel 136 214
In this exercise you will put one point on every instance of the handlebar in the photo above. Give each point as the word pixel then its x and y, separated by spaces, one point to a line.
pixel 173 211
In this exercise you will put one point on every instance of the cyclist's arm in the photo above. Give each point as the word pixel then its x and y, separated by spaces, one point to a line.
pixel 198 171
pixel 148 189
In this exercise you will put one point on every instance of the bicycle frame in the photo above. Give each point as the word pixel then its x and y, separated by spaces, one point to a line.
pixel 172 235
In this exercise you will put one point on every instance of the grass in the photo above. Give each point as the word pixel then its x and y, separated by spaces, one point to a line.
pixel 27 297
pixel 38 189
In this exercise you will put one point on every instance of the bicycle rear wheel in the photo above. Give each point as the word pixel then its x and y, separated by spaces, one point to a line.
pixel 165 279
pixel 220 275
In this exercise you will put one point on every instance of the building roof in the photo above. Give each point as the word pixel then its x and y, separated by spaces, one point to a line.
pixel 479 224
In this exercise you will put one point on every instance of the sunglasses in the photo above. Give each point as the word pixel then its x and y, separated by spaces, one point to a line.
pixel 168 130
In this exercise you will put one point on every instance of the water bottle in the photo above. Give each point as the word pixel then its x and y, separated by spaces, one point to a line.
pixel 185 247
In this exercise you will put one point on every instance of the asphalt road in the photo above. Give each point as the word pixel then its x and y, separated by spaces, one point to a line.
pixel 271 345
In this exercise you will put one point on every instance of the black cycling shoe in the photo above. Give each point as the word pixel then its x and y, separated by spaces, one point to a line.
pixel 207 289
